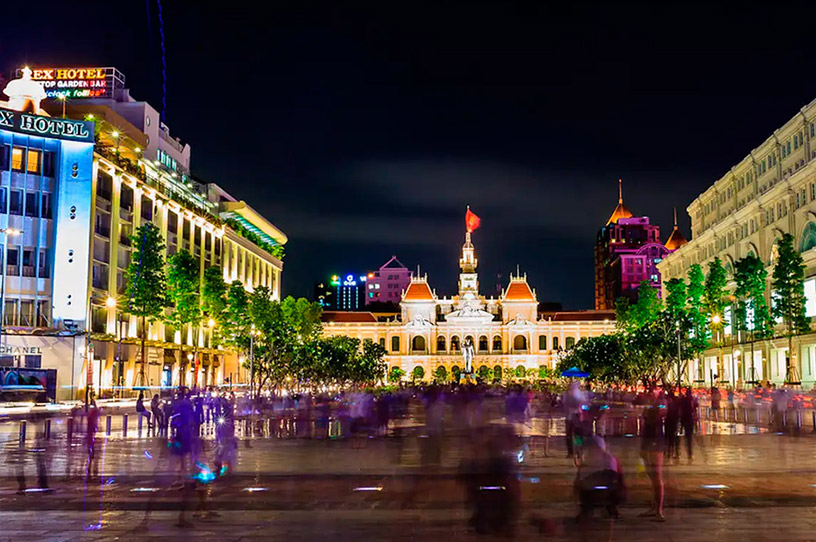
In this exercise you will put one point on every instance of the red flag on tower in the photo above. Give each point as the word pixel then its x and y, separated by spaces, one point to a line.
pixel 471 220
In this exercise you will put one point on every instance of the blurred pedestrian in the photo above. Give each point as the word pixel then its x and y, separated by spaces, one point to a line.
pixel 142 411
pixel 652 447
pixel 688 419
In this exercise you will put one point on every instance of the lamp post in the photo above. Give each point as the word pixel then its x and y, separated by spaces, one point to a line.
pixel 111 304
pixel 679 356
pixel 7 232
pixel 716 319
pixel 252 364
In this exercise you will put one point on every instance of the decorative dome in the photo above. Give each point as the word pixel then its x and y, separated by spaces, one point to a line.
pixel 676 239
pixel 621 211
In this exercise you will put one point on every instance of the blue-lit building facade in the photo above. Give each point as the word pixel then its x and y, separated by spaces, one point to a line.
pixel 74 185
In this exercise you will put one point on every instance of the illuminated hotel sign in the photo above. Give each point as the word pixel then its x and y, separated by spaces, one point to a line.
pixel 74 130
pixel 79 82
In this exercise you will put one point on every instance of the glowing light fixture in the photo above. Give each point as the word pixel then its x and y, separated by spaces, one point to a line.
pixel 368 488
pixel 114 134
pixel 111 302
pixel 715 486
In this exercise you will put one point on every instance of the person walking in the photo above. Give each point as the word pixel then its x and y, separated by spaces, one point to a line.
pixel 158 419
pixel 652 447
pixel 142 411
pixel 672 425
pixel 688 420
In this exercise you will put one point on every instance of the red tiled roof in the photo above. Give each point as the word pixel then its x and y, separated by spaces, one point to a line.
pixel 348 317
pixel 418 291
pixel 519 291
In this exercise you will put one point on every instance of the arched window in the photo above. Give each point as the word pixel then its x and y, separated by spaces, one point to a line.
pixel 455 346
pixel 542 343
pixel 774 252
pixel 395 344
pixel 440 343
pixel 456 372
pixel 382 342
pixel 471 340
pixel 483 343
pixel 520 342
pixel 555 343
pixel 497 344
pixel 570 342
pixel 808 237
pixel 418 344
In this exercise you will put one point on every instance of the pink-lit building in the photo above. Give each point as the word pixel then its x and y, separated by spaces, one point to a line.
pixel 627 252
pixel 388 283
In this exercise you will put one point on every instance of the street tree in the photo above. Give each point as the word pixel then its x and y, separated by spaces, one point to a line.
pixel 698 337
pixel 145 285
pixel 789 297
pixel 214 300
pixel 184 294
pixel 395 374
pixel 417 374
pixel 752 313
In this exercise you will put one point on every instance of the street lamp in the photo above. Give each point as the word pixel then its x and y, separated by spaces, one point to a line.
pixel 716 319
pixel 7 232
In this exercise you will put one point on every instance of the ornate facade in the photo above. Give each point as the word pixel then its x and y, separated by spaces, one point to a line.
pixel 506 332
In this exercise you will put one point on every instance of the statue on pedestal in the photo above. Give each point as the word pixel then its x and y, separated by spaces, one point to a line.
pixel 467 353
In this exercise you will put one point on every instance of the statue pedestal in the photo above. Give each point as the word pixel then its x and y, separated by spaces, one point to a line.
pixel 467 378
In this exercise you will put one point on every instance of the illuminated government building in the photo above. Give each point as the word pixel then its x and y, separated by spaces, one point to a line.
pixel 506 332
pixel 71 194
pixel 770 192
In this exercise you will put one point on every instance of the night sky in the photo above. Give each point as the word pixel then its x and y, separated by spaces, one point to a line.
pixel 363 131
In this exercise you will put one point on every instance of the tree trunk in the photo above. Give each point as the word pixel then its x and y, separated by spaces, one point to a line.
pixel 142 379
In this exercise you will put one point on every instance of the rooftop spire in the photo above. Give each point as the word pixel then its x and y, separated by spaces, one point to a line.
pixel 620 211
pixel 675 218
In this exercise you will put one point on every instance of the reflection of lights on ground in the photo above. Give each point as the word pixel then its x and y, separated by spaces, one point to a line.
pixel 94 527
pixel 144 490
pixel 715 486
pixel 492 488
pixel 601 487
pixel 255 489
pixel 147 455
pixel 368 488
pixel 38 490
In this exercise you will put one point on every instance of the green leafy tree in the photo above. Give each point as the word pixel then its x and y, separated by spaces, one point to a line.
pixel 395 374
pixel 417 374
pixel 695 290
pixel 183 291
pixel 286 339
pixel 456 373
pixel 497 374
pixel 145 284
pixel 676 297
pixel 714 294
pixel 236 324
pixel 544 372
pixel 441 375
pixel 789 296
pixel 521 371
pixel 752 313
pixel 214 300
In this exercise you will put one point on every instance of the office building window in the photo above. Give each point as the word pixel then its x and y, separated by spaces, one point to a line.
pixel 45 205
pixel 16 201
pixel 42 265
pixel 17 159
pixel 3 200
pixel 33 161
pixel 32 204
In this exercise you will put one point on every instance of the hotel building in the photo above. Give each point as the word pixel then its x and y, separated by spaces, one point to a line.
pixel 770 192
pixel 71 194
